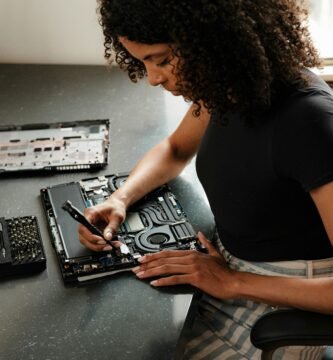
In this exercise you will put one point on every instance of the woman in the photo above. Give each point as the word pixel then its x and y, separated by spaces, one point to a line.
pixel 262 128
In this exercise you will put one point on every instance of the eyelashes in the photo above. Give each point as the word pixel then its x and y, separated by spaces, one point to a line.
pixel 164 62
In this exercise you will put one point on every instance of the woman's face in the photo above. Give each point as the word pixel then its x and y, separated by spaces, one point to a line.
pixel 159 61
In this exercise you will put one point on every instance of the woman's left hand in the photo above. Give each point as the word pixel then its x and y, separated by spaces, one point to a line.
pixel 208 272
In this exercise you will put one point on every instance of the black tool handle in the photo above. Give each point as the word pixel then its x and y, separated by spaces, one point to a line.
pixel 77 215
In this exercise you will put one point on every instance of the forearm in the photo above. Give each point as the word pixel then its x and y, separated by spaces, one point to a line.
pixel 306 294
pixel 167 159
pixel 158 166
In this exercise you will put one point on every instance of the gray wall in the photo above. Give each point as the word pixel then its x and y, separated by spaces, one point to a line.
pixel 50 32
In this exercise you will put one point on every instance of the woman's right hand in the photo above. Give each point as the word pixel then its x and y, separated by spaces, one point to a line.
pixel 107 216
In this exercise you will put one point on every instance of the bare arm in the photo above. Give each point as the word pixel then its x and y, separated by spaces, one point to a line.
pixel 307 294
pixel 166 160
pixel 210 273
pixel 159 165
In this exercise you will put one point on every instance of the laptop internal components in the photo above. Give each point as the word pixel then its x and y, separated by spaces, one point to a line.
pixel 155 223
pixel 65 146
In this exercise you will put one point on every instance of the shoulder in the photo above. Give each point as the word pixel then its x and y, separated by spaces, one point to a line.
pixel 185 140
pixel 305 106
pixel 303 133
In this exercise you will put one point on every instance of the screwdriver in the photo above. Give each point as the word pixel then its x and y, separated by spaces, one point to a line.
pixel 78 216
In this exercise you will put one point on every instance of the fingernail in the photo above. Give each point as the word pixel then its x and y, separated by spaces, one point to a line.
pixel 142 259
pixel 136 269
pixel 154 282
pixel 101 242
pixel 107 248
pixel 108 235
pixel 139 274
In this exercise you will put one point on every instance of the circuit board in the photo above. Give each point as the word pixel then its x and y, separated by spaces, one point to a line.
pixel 155 223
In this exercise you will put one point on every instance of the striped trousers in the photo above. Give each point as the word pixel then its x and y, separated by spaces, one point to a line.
pixel 221 328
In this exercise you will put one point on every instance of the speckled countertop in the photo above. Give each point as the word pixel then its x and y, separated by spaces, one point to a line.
pixel 116 318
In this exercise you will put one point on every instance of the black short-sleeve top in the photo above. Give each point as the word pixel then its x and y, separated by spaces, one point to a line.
pixel 257 178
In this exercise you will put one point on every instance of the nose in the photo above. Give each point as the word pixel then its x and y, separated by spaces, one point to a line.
pixel 155 77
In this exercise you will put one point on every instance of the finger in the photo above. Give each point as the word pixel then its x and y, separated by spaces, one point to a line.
pixel 96 243
pixel 108 232
pixel 207 244
pixel 112 227
pixel 165 254
pixel 87 235
pixel 116 243
pixel 91 241
pixel 95 246
pixel 91 215
pixel 190 259
pixel 165 269
pixel 173 280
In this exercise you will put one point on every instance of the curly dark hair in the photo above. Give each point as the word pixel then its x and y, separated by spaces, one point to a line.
pixel 246 50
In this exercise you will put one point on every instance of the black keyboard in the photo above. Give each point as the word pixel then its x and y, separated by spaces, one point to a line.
pixel 21 248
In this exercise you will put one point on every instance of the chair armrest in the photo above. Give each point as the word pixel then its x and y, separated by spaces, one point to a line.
pixel 292 327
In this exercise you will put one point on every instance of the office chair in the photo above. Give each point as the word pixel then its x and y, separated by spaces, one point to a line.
pixel 291 327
